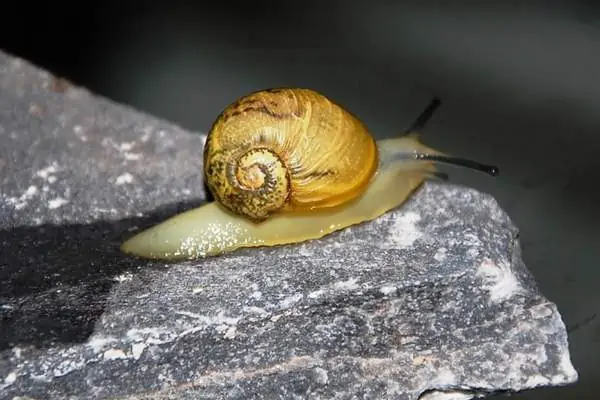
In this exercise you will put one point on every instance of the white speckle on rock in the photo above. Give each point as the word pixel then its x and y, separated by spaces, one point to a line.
pixel 147 133
pixel 197 289
pixel 316 294
pixel 350 284
pixel 542 311
pixel 444 378
pixel 57 202
pixel 473 252
pixel 386 290
pixel 570 374
pixel 126 146
pixel 536 380
pixel 321 376
pixel 471 239
pixel 124 178
pixel 123 148
pixel 132 156
pixel 67 366
pixel 219 319
pixel 137 349
pixel 104 210
pixel 22 201
pixel 290 300
pixel 98 342
pixel 45 172
pixel 404 232
pixel 230 333
pixel 45 377
pixel 114 354
pixel 79 132
pixel 503 284
pixel 304 250
pixel 446 395
pixel 151 335
pixel 276 318
pixel 257 294
pixel 127 276
pixel 9 380
pixel 256 310
pixel 440 254
pixel 17 351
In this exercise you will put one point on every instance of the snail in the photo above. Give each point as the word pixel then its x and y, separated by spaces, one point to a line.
pixel 287 165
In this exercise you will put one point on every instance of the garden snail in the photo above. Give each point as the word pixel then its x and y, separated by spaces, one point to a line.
pixel 288 165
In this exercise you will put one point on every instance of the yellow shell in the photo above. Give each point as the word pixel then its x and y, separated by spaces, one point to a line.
pixel 287 149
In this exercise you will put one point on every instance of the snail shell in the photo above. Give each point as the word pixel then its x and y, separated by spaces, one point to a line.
pixel 287 150
pixel 286 166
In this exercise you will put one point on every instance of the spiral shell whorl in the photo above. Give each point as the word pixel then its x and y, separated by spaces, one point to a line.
pixel 254 184
pixel 287 150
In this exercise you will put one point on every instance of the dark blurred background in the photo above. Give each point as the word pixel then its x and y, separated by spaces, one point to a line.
pixel 519 82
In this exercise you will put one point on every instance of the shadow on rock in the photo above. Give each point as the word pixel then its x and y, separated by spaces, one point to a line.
pixel 56 278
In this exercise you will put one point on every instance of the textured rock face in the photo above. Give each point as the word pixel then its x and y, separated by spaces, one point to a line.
pixel 431 301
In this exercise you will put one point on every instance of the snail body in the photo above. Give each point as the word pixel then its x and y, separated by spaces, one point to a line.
pixel 286 166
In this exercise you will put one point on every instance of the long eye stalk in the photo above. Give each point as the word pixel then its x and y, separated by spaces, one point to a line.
pixel 463 162
pixel 425 116
pixel 420 122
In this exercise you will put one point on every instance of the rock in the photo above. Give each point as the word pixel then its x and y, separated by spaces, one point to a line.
pixel 431 301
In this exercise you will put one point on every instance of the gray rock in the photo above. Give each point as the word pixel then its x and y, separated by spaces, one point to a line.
pixel 431 301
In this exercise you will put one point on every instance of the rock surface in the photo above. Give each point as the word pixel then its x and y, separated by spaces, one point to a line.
pixel 431 301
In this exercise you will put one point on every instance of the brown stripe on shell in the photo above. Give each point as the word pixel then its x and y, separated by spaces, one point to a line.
pixel 267 102
pixel 321 174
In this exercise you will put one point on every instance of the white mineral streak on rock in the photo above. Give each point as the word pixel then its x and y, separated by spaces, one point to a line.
pixel 256 310
pixel 502 283
pixel 98 342
pixel 347 285
pixel 57 203
pixel 386 290
pixel 566 365
pixel 404 231
pixel 126 276
pixel 290 300
pixel 22 201
pixel 316 294
pixel 452 395
pixel 114 354
pixel 230 333
pixel 137 349
pixel 48 172
pixel 123 179
pixel 9 380
pixel 321 376
pixel 123 148
pixel 440 254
